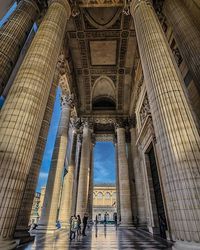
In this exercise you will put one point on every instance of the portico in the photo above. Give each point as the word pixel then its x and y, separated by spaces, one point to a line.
pixel 126 76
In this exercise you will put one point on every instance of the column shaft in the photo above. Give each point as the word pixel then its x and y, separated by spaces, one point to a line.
pixel 67 191
pixel 90 191
pixel 52 195
pixel 176 133
pixel 13 36
pixel 141 216
pixel 117 184
pixel 76 175
pixel 194 9
pixel 22 114
pixel 82 197
pixel 124 184
pixel 186 35
pixel 31 183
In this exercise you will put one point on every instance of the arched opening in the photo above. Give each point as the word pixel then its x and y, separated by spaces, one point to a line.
pixel 103 103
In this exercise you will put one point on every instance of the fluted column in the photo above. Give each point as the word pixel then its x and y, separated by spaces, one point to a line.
pixel 117 184
pixel 186 35
pixel 91 181
pixel 124 183
pixel 22 114
pixel 83 183
pixel 194 8
pixel 175 130
pixel 13 36
pixel 141 215
pixel 31 183
pixel 67 191
pixel 76 175
pixel 52 195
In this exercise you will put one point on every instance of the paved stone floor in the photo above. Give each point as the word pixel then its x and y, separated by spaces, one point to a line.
pixel 98 238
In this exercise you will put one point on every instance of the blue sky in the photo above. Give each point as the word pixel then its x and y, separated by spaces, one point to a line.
pixel 104 162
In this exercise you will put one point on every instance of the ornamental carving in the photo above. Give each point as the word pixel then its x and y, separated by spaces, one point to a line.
pixel 67 99
pixel 145 110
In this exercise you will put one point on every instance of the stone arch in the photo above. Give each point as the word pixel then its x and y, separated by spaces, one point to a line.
pixel 103 94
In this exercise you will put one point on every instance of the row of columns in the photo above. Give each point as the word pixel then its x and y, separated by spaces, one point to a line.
pixel 176 133
pixel 22 114
pixel 177 136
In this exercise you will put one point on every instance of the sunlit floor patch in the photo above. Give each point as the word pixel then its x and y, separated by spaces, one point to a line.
pixel 99 237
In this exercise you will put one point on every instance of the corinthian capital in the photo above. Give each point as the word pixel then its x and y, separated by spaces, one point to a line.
pixel 120 123
pixel 67 100
pixel 136 3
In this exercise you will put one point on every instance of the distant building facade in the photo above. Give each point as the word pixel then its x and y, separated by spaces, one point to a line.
pixel 104 202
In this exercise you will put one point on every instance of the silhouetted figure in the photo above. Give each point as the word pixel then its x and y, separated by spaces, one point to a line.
pixel 105 219
pixel 85 219
pixel 79 225
pixel 96 220
pixel 115 219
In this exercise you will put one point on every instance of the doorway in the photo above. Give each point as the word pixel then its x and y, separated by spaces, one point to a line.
pixel 157 193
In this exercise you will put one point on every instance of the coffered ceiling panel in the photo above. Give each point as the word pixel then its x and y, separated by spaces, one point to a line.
pixel 102 43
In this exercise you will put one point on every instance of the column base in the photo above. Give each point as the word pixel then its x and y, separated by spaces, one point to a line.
pixel 183 245
pixel 8 244
pixel 23 236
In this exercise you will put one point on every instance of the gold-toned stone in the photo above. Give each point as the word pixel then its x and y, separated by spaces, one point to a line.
pixel 22 114
pixel 13 36
pixel 176 133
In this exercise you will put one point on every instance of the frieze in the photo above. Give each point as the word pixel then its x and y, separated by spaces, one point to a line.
pixel 102 34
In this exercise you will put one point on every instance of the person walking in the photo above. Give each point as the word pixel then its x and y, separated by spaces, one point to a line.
pixel 79 225
pixel 85 219
pixel 73 227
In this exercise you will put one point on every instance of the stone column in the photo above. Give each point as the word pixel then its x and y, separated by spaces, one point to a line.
pixel 117 184
pixel 137 169
pixel 82 196
pixel 176 133
pixel 76 175
pixel 194 8
pixel 52 195
pixel 67 191
pixel 91 176
pixel 31 183
pixel 24 109
pixel 124 184
pixel 131 178
pixel 13 36
pixel 186 35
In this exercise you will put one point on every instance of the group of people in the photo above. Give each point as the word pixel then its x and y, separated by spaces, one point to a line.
pixel 75 226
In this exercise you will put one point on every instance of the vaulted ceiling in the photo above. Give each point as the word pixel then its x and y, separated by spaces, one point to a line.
pixel 103 49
